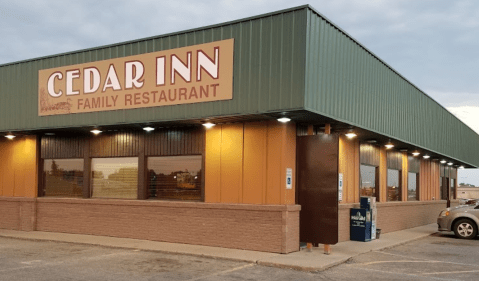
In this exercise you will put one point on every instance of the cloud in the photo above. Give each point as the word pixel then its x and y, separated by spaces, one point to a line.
pixel 455 99
pixel 469 176
pixel 467 114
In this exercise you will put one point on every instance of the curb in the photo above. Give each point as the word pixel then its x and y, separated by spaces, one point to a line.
pixel 257 261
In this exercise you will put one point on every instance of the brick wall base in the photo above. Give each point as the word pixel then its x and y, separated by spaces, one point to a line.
pixel 17 213
pixel 267 228
pixel 394 216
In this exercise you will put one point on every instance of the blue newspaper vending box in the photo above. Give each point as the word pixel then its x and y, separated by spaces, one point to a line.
pixel 365 203
pixel 360 225
pixel 369 203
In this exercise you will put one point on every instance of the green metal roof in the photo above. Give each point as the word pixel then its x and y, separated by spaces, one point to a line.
pixel 347 82
pixel 268 74
pixel 293 60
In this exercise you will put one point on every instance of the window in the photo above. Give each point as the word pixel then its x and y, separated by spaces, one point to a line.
pixel 115 177
pixel 412 187
pixel 63 177
pixel 175 177
pixel 393 186
pixel 368 181
pixel 453 189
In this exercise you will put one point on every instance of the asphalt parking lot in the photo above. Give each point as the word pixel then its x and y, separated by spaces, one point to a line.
pixel 41 260
pixel 438 257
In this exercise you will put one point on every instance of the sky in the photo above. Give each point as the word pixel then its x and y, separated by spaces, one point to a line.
pixel 432 43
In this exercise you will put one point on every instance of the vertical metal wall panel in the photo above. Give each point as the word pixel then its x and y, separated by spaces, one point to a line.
pixel 369 154
pixel 58 147
pixel 268 74
pixel 165 142
pixel 175 141
pixel 347 82
pixel 394 160
pixel 453 173
pixel 413 164
pixel 118 144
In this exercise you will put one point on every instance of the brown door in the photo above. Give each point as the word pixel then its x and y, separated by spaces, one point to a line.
pixel 317 167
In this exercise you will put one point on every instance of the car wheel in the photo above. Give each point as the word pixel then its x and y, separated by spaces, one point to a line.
pixel 465 228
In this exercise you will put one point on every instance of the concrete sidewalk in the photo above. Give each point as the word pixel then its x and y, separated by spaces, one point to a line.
pixel 315 260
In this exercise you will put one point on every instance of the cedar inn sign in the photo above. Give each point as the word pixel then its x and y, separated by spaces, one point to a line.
pixel 199 73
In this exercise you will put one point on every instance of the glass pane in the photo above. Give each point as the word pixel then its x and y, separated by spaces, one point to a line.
pixel 368 181
pixel 411 186
pixel 175 177
pixel 115 177
pixel 393 188
pixel 63 177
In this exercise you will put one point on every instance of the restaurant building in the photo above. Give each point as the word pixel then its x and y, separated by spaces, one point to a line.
pixel 252 134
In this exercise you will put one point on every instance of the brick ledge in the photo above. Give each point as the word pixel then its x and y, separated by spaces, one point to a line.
pixel 169 204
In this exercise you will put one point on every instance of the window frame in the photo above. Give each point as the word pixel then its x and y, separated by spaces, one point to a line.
pixel 201 184
pixel 400 184
pixel 376 180
pixel 42 187
pixel 416 175
pixel 168 141
pixel 118 198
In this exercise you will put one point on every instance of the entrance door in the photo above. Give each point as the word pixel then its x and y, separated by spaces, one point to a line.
pixel 317 170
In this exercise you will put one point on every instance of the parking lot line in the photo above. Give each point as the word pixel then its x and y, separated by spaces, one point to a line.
pixel 450 272
pixel 407 257
pixel 223 272
pixel 381 262
pixel 16 268
pixel 405 274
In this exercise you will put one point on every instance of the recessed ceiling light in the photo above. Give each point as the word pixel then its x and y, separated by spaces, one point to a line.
pixel 284 119
pixel 10 137
pixel 96 131
pixel 389 145
pixel 149 129
pixel 209 125
pixel 351 135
